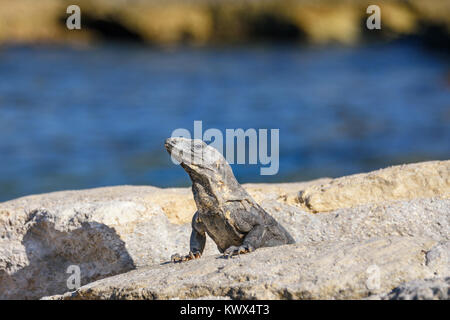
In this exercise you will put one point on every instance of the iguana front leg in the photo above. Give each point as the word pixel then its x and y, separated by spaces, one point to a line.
pixel 253 240
pixel 197 241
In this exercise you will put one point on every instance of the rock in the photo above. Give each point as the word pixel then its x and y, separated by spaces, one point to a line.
pixel 315 270
pixel 415 218
pixel 428 289
pixel 104 231
pixel 108 231
pixel 426 179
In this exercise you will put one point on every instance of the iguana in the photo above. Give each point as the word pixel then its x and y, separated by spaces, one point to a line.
pixel 225 211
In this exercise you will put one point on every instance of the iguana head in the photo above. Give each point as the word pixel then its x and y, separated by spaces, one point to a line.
pixel 206 167
pixel 194 154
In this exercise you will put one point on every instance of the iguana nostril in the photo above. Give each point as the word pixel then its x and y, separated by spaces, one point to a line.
pixel 169 143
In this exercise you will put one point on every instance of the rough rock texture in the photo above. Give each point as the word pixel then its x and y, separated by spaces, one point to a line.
pixel 107 231
pixel 320 270
pixel 426 179
pixel 428 289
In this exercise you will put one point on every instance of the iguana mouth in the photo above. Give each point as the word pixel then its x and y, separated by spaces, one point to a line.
pixel 168 144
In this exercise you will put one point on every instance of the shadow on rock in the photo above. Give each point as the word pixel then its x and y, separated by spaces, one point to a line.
pixel 95 248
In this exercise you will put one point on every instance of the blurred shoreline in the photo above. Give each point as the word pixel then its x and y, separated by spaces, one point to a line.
pixel 75 118
pixel 206 22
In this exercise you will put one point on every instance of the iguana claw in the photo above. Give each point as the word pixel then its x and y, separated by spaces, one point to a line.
pixel 233 250
pixel 192 255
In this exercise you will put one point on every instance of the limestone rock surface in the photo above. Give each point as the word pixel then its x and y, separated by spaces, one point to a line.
pixel 405 182
pixel 113 230
pixel 320 270
pixel 428 289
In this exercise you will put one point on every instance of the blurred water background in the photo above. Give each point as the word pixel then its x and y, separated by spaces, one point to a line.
pixel 92 107
pixel 79 118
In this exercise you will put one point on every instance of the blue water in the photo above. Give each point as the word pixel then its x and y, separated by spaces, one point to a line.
pixel 78 118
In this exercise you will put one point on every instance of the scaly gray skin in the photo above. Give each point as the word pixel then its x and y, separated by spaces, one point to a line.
pixel 225 211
